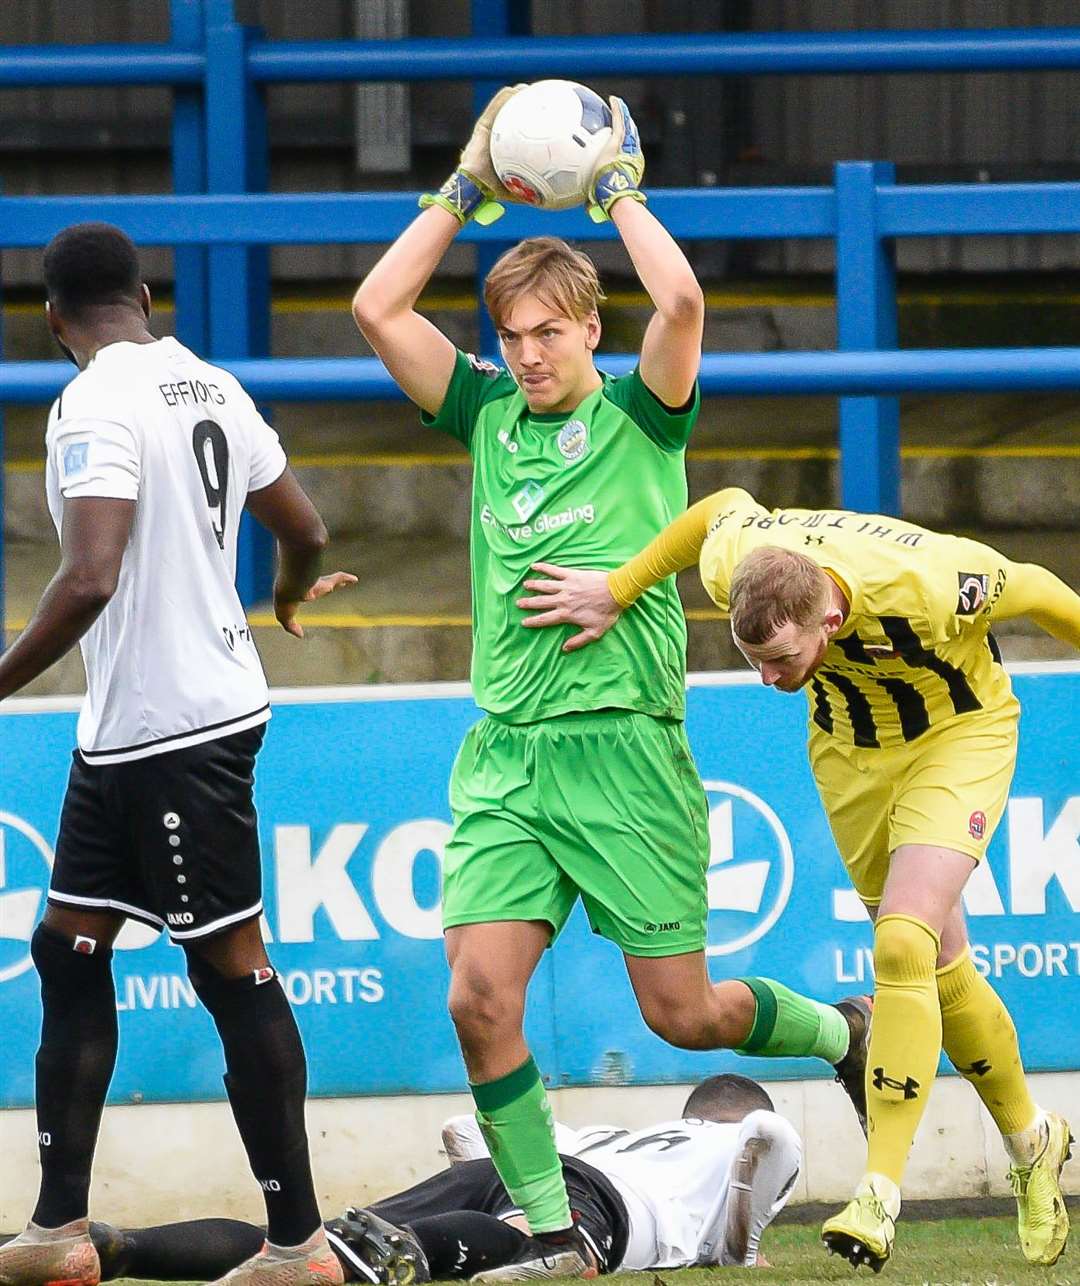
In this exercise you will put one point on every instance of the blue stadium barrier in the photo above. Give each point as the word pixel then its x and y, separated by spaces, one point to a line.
pixel 222 222
pixel 501 58
pixel 849 374
pixel 718 54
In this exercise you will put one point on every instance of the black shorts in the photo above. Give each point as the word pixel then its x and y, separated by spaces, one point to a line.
pixel 171 840
pixel 598 1209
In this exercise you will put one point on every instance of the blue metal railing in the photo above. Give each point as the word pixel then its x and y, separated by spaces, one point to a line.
pixel 852 374
pixel 222 222
pixel 505 57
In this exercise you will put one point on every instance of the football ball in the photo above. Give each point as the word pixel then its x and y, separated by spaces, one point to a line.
pixel 545 142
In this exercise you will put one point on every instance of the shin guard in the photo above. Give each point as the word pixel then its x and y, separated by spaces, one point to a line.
pixel 74 1066
pixel 266 1081
pixel 905 1039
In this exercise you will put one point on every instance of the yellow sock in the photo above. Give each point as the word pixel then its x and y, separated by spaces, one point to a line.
pixel 905 1039
pixel 980 1040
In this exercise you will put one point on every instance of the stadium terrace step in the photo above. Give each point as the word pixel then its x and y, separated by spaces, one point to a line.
pixel 408 619
pixel 425 495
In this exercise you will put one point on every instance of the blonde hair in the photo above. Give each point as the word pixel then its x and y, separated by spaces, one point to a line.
pixel 772 586
pixel 545 266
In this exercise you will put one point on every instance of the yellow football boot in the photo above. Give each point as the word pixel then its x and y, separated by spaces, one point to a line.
pixel 1040 1208
pixel 864 1230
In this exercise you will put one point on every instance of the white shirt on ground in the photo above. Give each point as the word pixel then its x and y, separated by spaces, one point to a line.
pixel 674 1178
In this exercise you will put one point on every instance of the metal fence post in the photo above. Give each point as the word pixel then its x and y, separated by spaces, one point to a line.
pixel 189 176
pixel 239 276
pixel 492 18
pixel 866 319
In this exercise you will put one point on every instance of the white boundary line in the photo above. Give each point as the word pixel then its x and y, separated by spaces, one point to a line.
pixel 39 705
pixel 453 689
pixel 1044 667
pixel 371 692
pixel 722 679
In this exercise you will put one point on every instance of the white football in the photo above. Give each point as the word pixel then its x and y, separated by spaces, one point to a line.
pixel 545 142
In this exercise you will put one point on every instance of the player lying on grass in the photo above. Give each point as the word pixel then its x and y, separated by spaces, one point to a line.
pixel 913 739
pixel 697 1190
pixel 573 465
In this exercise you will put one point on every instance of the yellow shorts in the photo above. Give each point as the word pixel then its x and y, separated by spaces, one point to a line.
pixel 948 789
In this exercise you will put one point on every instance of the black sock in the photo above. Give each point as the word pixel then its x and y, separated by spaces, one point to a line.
pixel 74 1066
pixel 200 1250
pixel 465 1242
pixel 266 1080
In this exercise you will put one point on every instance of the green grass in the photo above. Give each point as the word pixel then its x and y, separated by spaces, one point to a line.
pixel 946 1252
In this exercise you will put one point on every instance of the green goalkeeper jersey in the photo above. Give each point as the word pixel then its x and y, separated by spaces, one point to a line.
pixel 586 488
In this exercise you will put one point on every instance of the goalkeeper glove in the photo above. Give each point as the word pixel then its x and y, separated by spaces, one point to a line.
pixel 620 168
pixel 473 191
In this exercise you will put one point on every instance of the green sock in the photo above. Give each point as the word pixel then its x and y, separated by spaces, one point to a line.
pixel 515 1117
pixel 788 1025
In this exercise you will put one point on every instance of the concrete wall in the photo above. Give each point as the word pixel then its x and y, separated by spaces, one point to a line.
pixel 158 1163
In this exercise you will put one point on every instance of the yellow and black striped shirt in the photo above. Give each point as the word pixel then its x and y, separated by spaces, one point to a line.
pixel 916 646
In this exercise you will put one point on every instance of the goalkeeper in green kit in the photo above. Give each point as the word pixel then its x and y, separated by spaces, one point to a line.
pixel 578 781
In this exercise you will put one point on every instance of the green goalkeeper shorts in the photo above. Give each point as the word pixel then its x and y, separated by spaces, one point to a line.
pixel 606 805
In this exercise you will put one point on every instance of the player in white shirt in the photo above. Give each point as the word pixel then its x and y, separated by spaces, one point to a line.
pixel 152 454
pixel 697 1190
pixel 694 1191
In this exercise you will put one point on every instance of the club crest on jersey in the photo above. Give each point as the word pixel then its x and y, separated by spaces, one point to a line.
pixel 76 458
pixel 573 440
pixel 977 824
pixel 974 587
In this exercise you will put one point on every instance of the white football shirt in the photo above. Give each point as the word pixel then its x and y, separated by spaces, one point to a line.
pixel 675 1179
pixel 171 661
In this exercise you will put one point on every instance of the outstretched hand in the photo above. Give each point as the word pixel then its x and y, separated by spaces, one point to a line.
pixel 570 597
pixel 285 608
pixel 476 154
pixel 620 167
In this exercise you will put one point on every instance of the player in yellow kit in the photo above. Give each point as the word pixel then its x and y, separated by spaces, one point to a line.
pixel 912 741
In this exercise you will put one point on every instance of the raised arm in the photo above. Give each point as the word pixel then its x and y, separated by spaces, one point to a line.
pixel 671 351
pixel 415 352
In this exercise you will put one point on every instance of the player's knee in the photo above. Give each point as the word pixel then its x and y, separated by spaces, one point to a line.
pixel 905 949
pixel 225 997
pixel 482 1008
pixel 678 1023
pixel 63 961
pixel 255 1023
